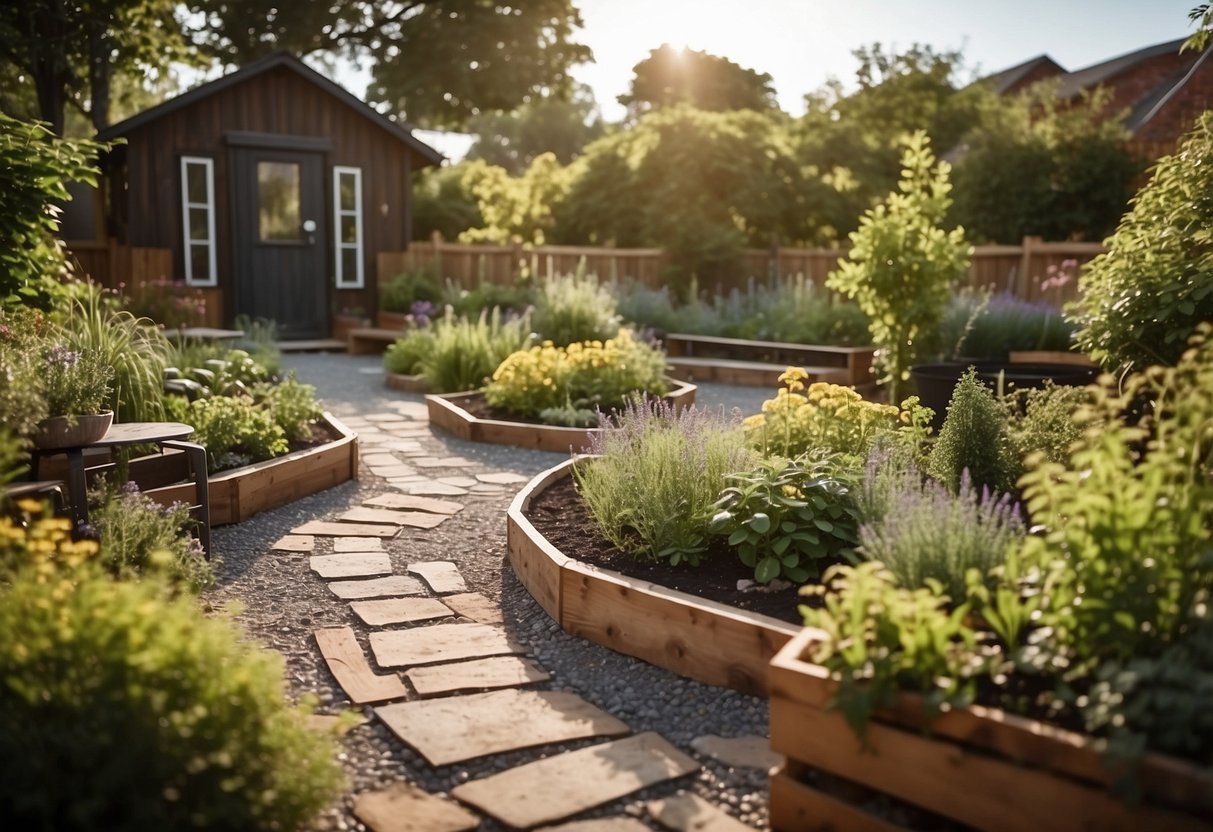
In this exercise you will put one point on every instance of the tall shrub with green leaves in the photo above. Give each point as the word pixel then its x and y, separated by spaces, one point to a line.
pixel 902 264
pixel 575 307
pixel 1142 299
pixel 973 439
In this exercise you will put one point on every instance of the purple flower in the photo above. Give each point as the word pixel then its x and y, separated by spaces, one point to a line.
pixel 62 356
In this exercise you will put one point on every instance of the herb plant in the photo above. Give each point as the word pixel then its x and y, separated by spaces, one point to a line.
pixel 463 353
pixel 572 308
pixel 974 439
pixel 75 383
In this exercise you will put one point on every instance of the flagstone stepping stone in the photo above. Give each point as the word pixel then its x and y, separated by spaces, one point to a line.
pixel 480 674
pixel 384 611
pixel 444 462
pixel 377 587
pixel 441 575
pixel 621 824
pixel 349 667
pixel 402 807
pixel 485 488
pixel 408 501
pixel 524 796
pixel 502 478
pixel 357 544
pixel 738 752
pixel 462 482
pixel 404 442
pixel 459 728
pixel 435 489
pixel 363 514
pixel 374 459
pixel 397 470
pixel 295 543
pixel 686 812
pixel 325 528
pixel 411 410
pixel 357 565
pixel 475 606
pixel 401 482
pixel 441 643
pixel 379 418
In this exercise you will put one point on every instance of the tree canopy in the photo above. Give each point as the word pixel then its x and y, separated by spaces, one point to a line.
pixel 707 82
pixel 560 125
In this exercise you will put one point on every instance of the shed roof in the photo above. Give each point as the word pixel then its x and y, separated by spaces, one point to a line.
pixel 285 60
pixel 1000 82
pixel 1083 79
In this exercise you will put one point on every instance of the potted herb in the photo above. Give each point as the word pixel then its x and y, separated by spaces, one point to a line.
pixel 76 386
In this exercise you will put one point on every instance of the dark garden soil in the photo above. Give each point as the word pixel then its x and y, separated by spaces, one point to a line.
pixel 478 407
pixel 560 515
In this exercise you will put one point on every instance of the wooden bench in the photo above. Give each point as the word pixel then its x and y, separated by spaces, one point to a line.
pixel 851 366
pixel 745 373
pixel 369 340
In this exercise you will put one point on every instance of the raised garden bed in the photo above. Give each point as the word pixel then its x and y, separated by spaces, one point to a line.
pixel 982 767
pixel 751 363
pixel 450 412
pixel 404 383
pixel 700 639
pixel 238 494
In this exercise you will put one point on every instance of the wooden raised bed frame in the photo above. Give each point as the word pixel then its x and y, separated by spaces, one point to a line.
pixel 696 638
pixel 404 383
pixel 751 363
pixel 445 412
pixel 983 767
pixel 238 494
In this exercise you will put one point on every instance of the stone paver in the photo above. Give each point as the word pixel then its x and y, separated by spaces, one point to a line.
pixel 441 643
pixel 295 543
pixel 402 807
pixel 349 667
pixel 390 471
pixel 351 566
pixel 377 587
pixel 620 824
pixel 383 611
pixel 502 478
pixel 435 489
pixel 479 674
pixel 411 503
pixel 324 528
pixel 686 812
pixel 739 752
pixel 461 482
pixel 475 606
pixel 366 514
pixel 441 575
pixel 443 462
pixel 371 460
pixel 459 728
pixel 357 544
pixel 525 796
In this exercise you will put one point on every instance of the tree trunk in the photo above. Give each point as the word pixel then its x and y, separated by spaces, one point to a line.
pixel 99 77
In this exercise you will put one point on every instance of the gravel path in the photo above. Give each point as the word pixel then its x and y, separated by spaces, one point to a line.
pixel 282 602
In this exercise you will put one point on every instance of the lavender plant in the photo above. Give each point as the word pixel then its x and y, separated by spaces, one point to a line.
pixel 75 382
pixel 656 475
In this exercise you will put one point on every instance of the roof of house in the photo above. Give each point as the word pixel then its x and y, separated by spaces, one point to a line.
pixel 272 61
pixel 1084 79
pixel 1000 82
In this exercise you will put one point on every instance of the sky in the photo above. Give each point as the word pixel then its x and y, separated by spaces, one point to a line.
pixel 803 43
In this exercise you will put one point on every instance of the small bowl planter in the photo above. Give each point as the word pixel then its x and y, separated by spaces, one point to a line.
pixel 447 411
pixel 694 637
pixel 238 494
pixel 985 768
pixel 404 383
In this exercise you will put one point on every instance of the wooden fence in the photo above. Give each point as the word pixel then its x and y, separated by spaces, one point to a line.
pixel 1020 269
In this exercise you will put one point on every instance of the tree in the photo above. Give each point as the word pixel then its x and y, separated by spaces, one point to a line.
pixel 73 50
pixel 562 126
pixel 707 82
pixel 443 202
pixel 516 210
pixel 435 62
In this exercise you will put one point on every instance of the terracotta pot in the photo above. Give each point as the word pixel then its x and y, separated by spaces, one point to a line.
pixel 72 431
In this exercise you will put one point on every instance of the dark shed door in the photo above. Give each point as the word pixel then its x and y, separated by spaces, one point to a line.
pixel 279 239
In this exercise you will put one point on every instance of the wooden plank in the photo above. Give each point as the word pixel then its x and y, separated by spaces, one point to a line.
pixel 442 576
pixel 383 611
pixel 798 807
pixel 475 606
pixel 479 674
pixel 459 728
pixel 588 777
pixel 441 643
pixel 377 587
pixel 535 561
pixel 349 667
pixel 687 812
pixel 947 778
pixel 350 565
pixel 325 528
pixel 403 807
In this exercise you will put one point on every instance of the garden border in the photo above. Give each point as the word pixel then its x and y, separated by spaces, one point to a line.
pixel 445 413
pixel 983 767
pixel 693 637
pixel 404 383
pixel 238 494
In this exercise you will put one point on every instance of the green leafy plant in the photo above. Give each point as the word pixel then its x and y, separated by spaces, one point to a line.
pixel 517 296
pixel 169 303
pixel 974 439
pixel 405 354
pixel 786 516
pixel 232 429
pixel 402 291
pixel 74 383
pixel 292 405
pixel 465 352
pixel 573 308
pixel 260 341
pixel 1142 299
pixel 655 477
pixel 22 405
pixel 1041 424
pixel 902 264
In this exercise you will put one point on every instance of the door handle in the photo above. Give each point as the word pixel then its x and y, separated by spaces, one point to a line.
pixel 309 228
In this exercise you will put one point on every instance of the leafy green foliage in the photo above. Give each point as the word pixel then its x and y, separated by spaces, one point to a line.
pixel 92 665
pixel 74 383
pixel 292 405
pixel 443 201
pixel 574 307
pixel 705 81
pixel 516 209
pixel 1142 299
pixel 464 353
pixel 516 297
pixel 260 341
pixel 658 472
pixel 562 126
pixel 402 291
pixel 974 439
pixel 405 354
pixel 1041 424
pixel 786 516
pixel 902 264
pixel 233 431
pixel 22 405
pixel 138 537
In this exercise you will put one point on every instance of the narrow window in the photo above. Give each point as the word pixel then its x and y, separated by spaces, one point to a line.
pixel 198 220
pixel 347 225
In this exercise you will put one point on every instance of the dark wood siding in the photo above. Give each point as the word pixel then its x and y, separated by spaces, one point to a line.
pixel 282 102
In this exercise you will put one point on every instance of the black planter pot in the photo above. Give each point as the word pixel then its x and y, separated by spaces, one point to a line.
pixel 935 382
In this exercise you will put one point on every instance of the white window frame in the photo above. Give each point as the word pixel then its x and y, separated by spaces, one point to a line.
pixel 212 278
pixel 341 280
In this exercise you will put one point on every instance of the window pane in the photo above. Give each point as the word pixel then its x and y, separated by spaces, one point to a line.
pixel 195 180
pixel 349 229
pixel 349 197
pixel 200 262
pixel 278 200
pixel 198 224
pixel 349 265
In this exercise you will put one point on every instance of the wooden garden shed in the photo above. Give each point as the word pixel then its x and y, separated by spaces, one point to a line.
pixel 273 188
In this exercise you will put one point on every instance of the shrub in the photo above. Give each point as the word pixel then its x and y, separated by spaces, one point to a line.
pixel 171 304
pixel 785 516
pixel 1142 299
pixel 658 473
pixel 581 376
pixel 292 405
pixel 22 405
pixel 517 297
pixel 465 352
pixel 402 291
pixel 232 429
pixel 121 709
pixel 260 341
pixel 406 353
pixel 1041 424
pixel 573 308
pixel 974 439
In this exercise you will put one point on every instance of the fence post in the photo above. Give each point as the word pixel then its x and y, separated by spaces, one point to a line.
pixel 1020 287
